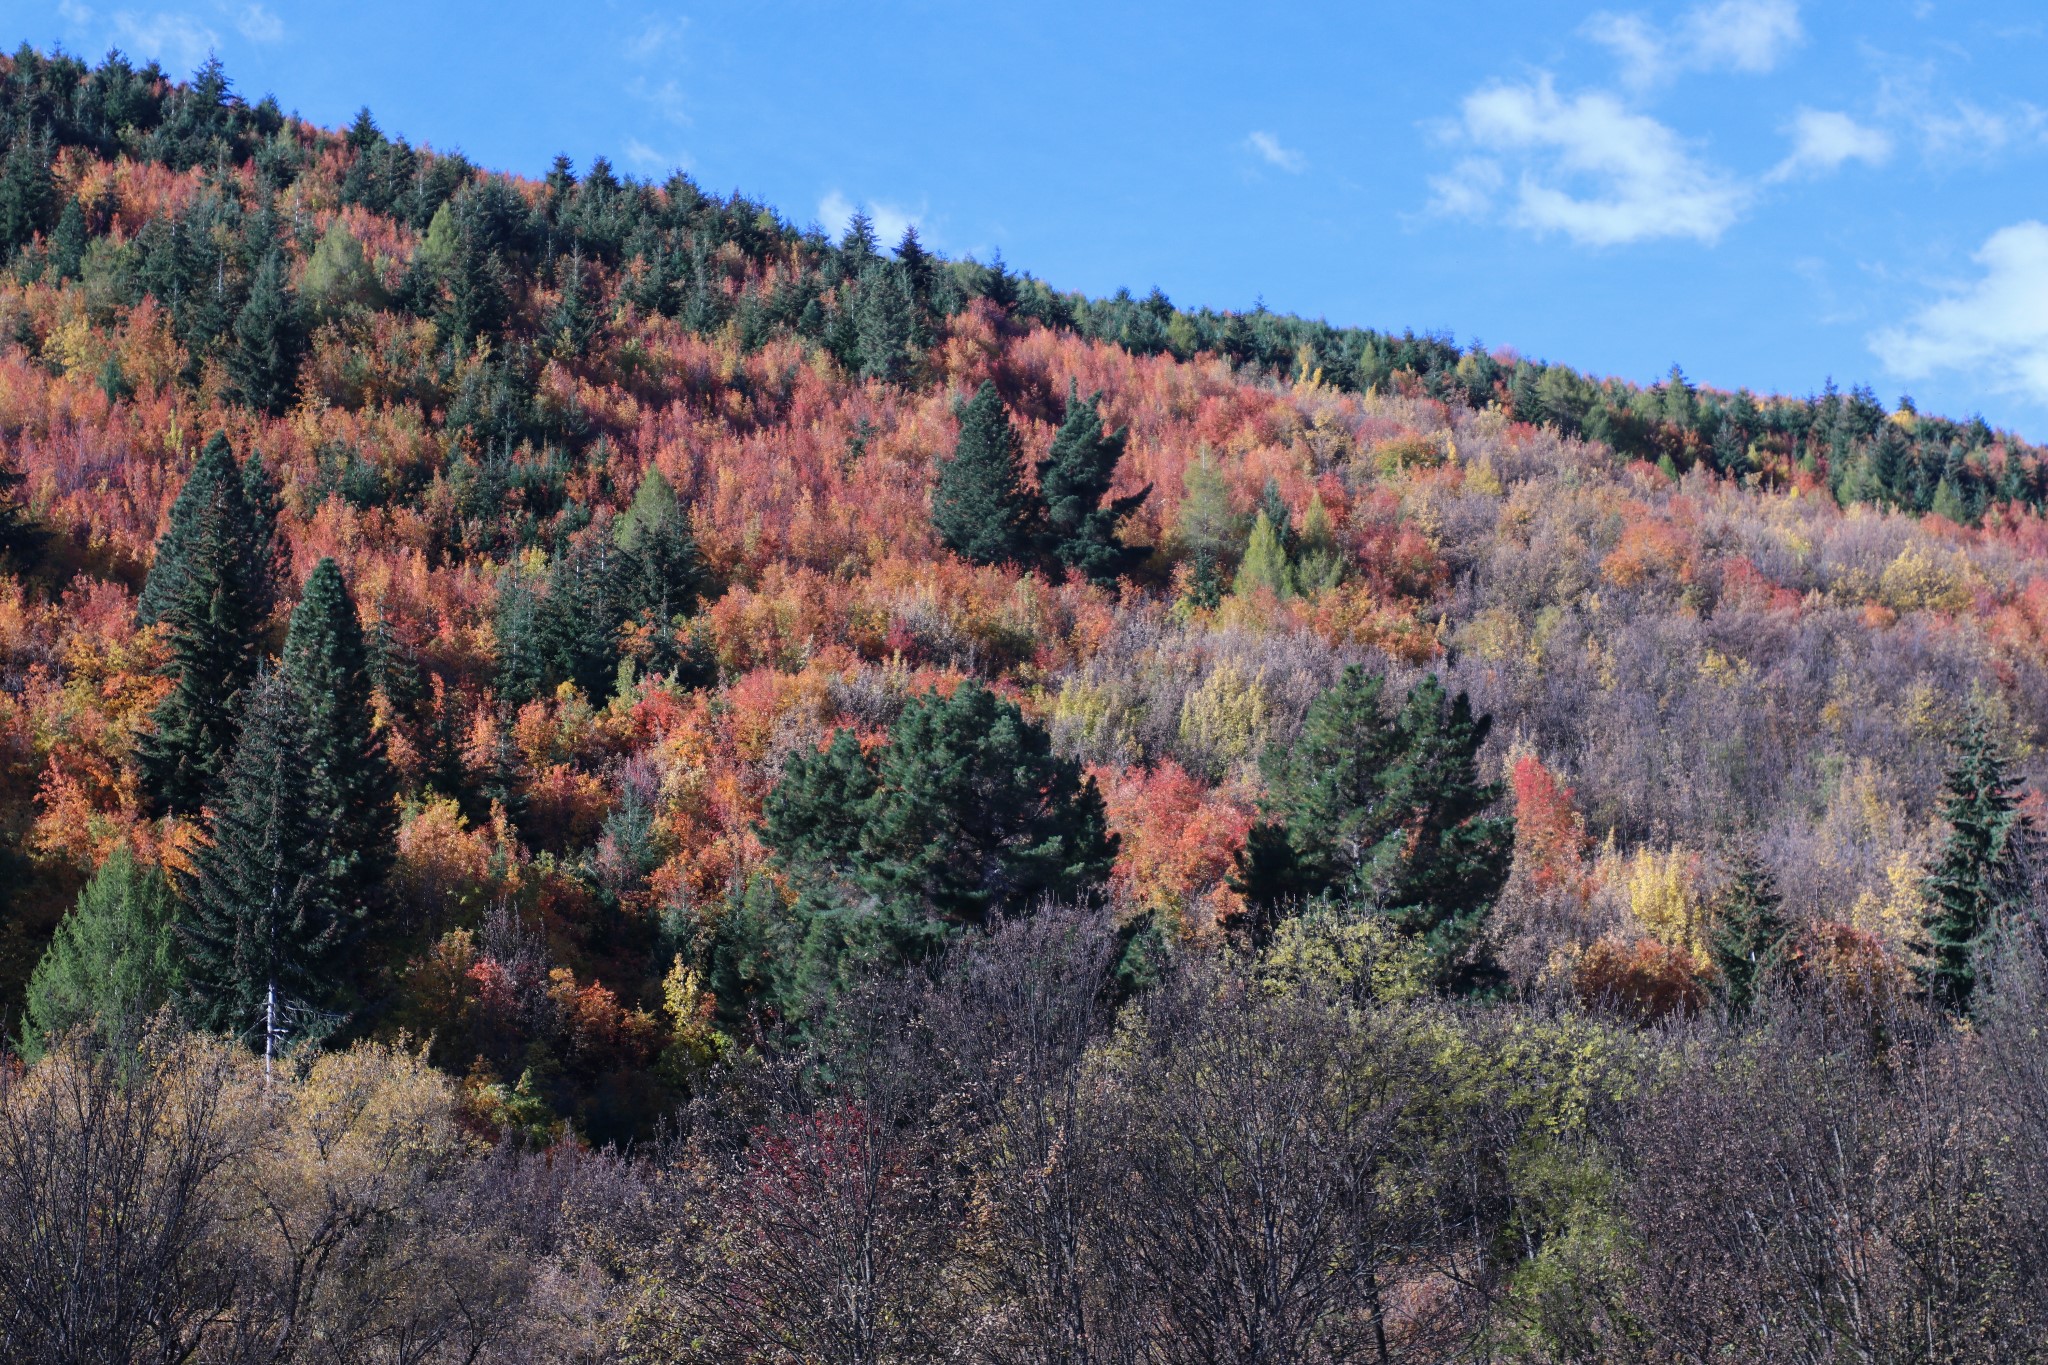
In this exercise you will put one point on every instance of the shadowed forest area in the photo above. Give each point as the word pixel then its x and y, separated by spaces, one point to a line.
pixel 588 773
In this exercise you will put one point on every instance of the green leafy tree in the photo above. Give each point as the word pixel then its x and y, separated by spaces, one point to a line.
pixel 1976 880
pixel 113 962
pixel 352 786
pixel 269 337
pixel 1750 933
pixel 1074 479
pixel 981 507
pixel 266 929
pixel 1387 813
pixel 210 588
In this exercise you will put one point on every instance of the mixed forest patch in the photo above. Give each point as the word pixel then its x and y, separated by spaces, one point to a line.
pixel 749 794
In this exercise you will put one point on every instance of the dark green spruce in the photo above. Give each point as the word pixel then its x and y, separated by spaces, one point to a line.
pixel 1074 480
pixel 1976 880
pixel 351 785
pixel 113 962
pixel 981 507
pixel 263 909
pixel 210 588
pixel 1388 814
pixel 1750 933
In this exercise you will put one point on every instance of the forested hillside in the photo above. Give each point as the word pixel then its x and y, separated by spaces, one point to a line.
pixel 1487 860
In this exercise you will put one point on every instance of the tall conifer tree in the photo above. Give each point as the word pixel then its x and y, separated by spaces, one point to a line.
pixel 264 362
pixel 1975 880
pixel 210 587
pixel 352 785
pixel 113 961
pixel 1750 932
pixel 1387 812
pixel 266 929
pixel 1074 479
pixel 981 507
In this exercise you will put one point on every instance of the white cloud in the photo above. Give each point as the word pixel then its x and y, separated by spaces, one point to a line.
pixel 1968 129
pixel 653 161
pixel 1273 154
pixel 665 99
pixel 1996 327
pixel 178 41
pixel 258 24
pixel 1742 35
pixel 1734 35
pixel 889 219
pixel 652 37
pixel 1949 127
pixel 1588 167
pixel 73 12
pixel 1825 140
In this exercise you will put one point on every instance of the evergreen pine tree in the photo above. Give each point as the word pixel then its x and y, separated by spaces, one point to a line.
pixel 19 536
pixel 884 316
pixel 1264 565
pixel 858 246
pixel 581 615
pixel 1750 934
pixel 1522 399
pixel 263 913
pixel 981 508
pixel 1389 813
pixel 1073 481
pixel 815 815
pixel 919 270
pixel 1949 503
pixel 966 813
pixel 663 573
pixel 1318 563
pixel 210 588
pixel 1974 882
pixel 67 243
pixel 113 961
pixel 352 785
pixel 1441 860
pixel 264 362
pixel 523 663
pixel 27 190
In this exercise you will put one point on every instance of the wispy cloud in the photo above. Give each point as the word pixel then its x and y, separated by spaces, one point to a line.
pixel 1735 35
pixel 179 41
pixel 1270 151
pixel 665 98
pixel 835 209
pixel 1826 140
pixel 1911 94
pixel 653 37
pixel 258 24
pixel 1587 166
pixel 1995 326
pixel 654 162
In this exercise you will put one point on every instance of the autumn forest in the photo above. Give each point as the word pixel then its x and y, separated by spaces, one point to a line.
pixel 588 773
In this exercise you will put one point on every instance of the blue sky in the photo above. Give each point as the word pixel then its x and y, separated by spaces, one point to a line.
pixel 1768 192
